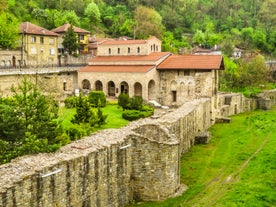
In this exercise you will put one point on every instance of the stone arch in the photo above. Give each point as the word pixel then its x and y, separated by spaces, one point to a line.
pixel 124 88
pixel 98 85
pixel 86 84
pixel 138 89
pixel 151 90
pixel 174 90
pixel 183 92
pixel 3 64
pixel 111 88
pixel 9 64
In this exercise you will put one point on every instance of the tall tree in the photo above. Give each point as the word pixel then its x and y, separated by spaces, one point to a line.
pixel 148 22
pixel 9 31
pixel 70 41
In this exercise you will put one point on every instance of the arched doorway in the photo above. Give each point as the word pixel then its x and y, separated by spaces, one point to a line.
pixel 174 91
pixel 98 85
pixel 151 90
pixel 111 88
pixel 86 84
pixel 124 87
pixel 138 89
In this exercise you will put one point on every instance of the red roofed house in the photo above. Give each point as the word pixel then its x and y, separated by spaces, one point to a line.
pixel 139 68
pixel 39 45
pixel 83 36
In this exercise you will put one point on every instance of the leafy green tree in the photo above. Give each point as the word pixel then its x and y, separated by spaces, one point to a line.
pixel 70 41
pixel 92 12
pixel 9 31
pixel 148 23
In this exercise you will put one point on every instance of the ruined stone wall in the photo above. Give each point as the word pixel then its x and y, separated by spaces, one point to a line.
pixel 110 168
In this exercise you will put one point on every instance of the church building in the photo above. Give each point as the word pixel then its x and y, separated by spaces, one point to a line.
pixel 140 68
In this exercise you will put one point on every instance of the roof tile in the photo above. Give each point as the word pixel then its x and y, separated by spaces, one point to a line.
pixel 118 68
pixel 29 28
pixel 214 62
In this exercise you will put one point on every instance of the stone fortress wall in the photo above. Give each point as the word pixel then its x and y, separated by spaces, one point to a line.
pixel 112 167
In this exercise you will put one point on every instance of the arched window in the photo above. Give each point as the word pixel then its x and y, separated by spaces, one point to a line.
pixel 138 50
pixel 128 50
pixel 138 89
pixel 98 85
pixel 119 50
pixel 109 51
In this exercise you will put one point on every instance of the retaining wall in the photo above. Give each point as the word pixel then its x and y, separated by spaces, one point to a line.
pixel 113 167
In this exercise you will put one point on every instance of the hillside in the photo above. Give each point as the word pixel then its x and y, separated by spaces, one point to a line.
pixel 246 24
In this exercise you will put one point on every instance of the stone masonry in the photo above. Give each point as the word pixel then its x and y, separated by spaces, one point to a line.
pixel 110 168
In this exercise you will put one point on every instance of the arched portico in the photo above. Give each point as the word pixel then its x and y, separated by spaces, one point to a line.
pixel 151 90
pixel 111 88
pixel 138 89
pixel 98 85
pixel 86 84
pixel 124 88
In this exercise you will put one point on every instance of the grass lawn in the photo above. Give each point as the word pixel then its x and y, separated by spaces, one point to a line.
pixel 114 118
pixel 237 168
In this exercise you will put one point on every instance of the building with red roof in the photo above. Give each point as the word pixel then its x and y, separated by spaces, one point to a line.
pixel 39 45
pixel 139 68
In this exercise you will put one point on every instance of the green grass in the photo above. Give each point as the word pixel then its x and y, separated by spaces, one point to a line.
pixel 114 118
pixel 237 167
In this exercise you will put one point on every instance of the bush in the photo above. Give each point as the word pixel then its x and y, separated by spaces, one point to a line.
pixel 132 115
pixel 123 100
pixel 97 98
pixel 71 102
pixel 135 103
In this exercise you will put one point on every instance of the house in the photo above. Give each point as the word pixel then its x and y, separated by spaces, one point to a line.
pixel 140 68
pixel 83 37
pixel 39 45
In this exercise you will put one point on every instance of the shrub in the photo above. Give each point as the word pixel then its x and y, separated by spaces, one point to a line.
pixel 97 98
pixel 135 103
pixel 123 100
pixel 71 102
pixel 132 115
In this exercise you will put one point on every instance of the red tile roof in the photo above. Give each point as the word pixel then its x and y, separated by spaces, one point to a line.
pixel 118 68
pixel 29 28
pixel 65 27
pixel 123 42
pixel 127 41
pixel 207 62
pixel 125 58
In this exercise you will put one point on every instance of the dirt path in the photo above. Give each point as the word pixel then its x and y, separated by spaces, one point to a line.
pixel 217 187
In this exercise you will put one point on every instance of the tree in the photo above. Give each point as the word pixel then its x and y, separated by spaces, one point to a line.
pixel 92 12
pixel 9 31
pixel 28 122
pixel 148 23
pixel 70 40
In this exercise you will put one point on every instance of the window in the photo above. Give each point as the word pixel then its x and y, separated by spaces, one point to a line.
pixel 81 37
pixel 51 41
pixel 33 38
pixel 33 50
pixel 119 50
pixel 41 40
pixel 109 51
pixel 52 51
pixel 186 72
pixel 128 50
pixel 174 96
pixel 138 50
